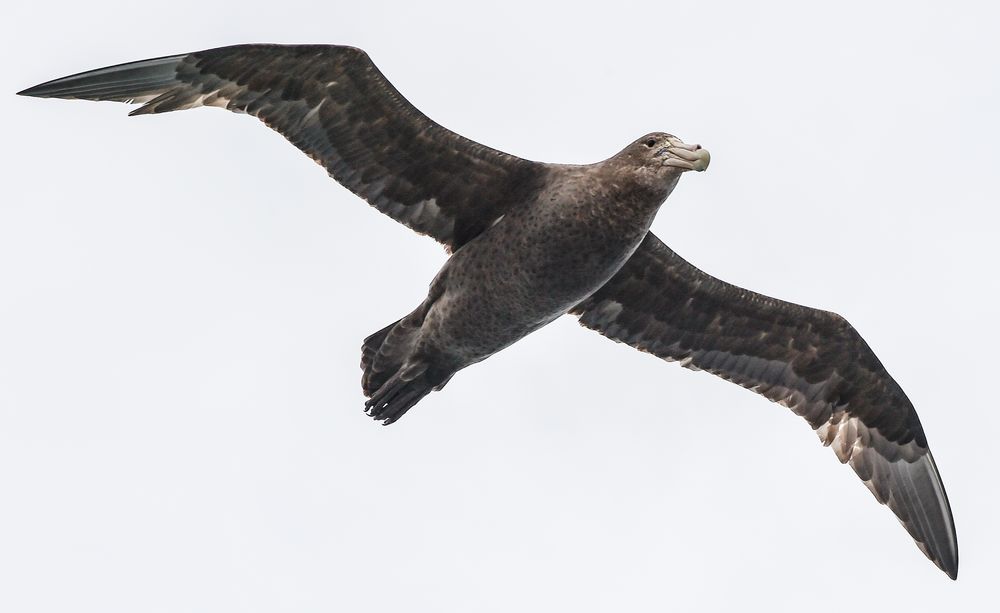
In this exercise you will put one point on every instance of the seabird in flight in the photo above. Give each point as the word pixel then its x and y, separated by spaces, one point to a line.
pixel 531 241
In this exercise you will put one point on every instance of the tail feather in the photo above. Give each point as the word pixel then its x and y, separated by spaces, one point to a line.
pixel 385 352
pixel 392 384
pixel 395 376
pixel 369 351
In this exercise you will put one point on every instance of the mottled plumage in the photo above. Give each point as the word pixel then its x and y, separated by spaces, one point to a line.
pixel 533 241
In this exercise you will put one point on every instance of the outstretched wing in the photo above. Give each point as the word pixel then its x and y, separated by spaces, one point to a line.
pixel 812 361
pixel 334 104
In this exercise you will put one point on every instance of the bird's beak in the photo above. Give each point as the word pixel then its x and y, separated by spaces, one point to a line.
pixel 686 157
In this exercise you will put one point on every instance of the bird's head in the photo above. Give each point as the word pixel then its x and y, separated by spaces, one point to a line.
pixel 653 164
pixel 665 154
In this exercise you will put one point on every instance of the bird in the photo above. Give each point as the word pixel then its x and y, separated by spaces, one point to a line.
pixel 530 242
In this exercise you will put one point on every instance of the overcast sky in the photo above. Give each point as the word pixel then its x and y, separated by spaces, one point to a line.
pixel 183 299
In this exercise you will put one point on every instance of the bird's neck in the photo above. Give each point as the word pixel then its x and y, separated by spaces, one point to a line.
pixel 637 195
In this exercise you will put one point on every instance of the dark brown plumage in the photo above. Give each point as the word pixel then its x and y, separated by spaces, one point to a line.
pixel 812 361
pixel 533 241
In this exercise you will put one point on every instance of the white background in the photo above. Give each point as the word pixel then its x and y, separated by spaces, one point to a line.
pixel 183 299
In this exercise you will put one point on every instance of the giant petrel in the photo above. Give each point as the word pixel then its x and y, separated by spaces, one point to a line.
pixel 531 241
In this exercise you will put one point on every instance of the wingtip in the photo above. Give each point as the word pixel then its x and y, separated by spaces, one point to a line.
pixel 49 89
pixel 55 88
pixel 122 82
pixel 946 557
pixel 30 91
pixel 949 563
pixel 948 567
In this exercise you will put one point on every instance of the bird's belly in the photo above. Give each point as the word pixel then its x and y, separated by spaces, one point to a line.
pixel 501 289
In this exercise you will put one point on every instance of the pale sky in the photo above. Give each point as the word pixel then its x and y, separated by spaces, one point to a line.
pixel 184 298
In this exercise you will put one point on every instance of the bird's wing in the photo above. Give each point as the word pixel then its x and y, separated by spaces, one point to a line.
pixel 334 104
pixel 814 362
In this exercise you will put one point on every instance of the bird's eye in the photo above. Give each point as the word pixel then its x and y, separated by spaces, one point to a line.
pixel 650 142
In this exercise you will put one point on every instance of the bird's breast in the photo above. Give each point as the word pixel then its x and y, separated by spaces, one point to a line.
pixel 554 255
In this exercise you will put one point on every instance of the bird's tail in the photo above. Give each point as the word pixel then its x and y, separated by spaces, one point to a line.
pixel 394 379
pixel 372 352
